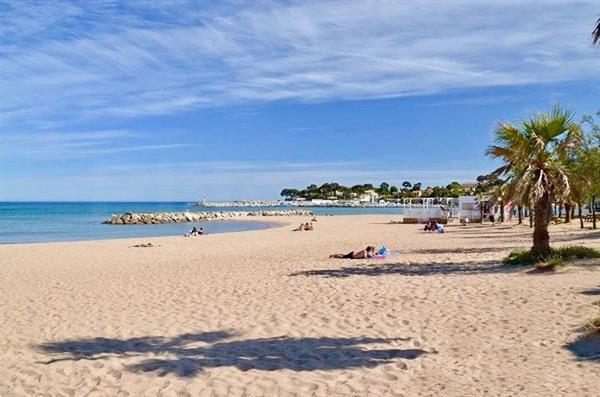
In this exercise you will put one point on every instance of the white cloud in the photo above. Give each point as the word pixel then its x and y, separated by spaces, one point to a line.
pixel 66 145
pixel 90 61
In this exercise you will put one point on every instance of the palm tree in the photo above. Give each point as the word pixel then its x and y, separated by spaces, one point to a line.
pixel 596 33
pixel 535 154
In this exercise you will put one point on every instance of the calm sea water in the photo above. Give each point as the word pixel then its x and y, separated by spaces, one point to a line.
pixel 43 222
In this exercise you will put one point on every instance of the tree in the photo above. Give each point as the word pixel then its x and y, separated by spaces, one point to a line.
pixel 406 185
pixel 416 186
pixel 358 189
pixel 455 189
pixel 384 189
pixel 596 33
pixel 535 155
pixel 393 189
pixel 589 164
pixel 290 194
pixel 439 191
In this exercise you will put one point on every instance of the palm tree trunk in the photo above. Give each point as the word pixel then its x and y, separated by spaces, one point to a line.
pixel 580 214
pixel 568 208
pixel 530 217
pixel 501 211
pixel 520 212
pixel 593 212
pixel 541 238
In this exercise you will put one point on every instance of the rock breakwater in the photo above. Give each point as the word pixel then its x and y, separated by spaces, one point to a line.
pixel 130 218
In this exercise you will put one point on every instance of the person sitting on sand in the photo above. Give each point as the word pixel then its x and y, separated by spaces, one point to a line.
pixel 431 226
pixel 362 254
pixel 299 228
pixel 309 226
pixel 201 231
pixel 194 231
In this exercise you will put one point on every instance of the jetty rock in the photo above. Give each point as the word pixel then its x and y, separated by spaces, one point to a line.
pixel 130 218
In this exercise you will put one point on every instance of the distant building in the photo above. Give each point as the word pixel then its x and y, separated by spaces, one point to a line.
pixel 468 208
pixel 322 202
pixel 370 196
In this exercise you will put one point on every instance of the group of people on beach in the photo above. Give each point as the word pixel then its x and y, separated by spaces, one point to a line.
pixel 195 232
pixel 432 225
pixel 306 226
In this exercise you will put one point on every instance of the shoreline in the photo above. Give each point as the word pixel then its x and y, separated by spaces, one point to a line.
pixel 270 225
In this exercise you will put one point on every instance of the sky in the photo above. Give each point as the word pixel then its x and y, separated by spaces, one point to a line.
pixel 178 100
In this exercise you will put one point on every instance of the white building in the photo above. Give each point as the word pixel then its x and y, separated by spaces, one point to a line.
pixel 370 196
pixel 468 207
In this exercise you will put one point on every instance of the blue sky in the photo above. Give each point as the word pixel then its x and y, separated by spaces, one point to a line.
pixel 177 100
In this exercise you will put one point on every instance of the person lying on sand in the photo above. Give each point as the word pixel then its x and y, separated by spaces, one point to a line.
pixel 362 254
pixel 147 245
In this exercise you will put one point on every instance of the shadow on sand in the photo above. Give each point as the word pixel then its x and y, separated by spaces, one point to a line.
pixel 474 250
pixel 189 354
pixel 402 269
pixel 586 347
pixel 591 291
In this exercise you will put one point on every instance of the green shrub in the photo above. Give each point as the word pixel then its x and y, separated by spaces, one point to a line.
pixel 521 257
pixel 556 258
pixel 550 263
pixel 577 252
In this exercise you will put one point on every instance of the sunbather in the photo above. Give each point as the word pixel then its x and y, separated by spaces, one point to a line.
pixel 362 254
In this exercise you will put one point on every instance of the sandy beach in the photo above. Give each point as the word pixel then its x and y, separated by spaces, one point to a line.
pixel 266 313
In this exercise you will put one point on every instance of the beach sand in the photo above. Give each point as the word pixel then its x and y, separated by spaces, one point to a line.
pixel 266 313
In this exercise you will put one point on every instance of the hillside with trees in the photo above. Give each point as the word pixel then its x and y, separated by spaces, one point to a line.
pixel 384 190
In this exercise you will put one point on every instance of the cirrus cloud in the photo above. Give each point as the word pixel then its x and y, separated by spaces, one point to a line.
pixel 86 61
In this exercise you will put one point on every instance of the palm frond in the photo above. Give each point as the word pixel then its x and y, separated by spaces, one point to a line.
pixel 537 157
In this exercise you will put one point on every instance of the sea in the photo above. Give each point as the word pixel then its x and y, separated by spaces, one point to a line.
pixel 38 222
